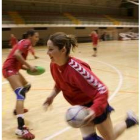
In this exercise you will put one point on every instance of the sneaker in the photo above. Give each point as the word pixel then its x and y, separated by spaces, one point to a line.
pixel 24 133
pixel 15 112
pixel 131 115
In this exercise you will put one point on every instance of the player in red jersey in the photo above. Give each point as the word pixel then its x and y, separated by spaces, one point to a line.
pixel 80 86
pixel 95 39
pixel 13 40
pixel 15 61
pixel 31 49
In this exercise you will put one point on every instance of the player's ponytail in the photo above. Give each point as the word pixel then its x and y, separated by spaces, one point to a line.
pixel 30 32
pixel 73 43
pixel 61 40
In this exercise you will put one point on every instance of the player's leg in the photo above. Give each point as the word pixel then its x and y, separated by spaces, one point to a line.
pixel 27 86
pixel 24 82
pixel 89 133
pixel 20 92
pixel 95 51
pixel 109 133
pixel 15 83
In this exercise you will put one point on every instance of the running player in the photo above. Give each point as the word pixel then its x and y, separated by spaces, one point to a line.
pixel 80 86
pixel 95 40
pixel 14 62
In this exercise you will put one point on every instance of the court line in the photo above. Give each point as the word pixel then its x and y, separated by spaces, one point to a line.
pixel 120 77
pixel 110 98
pixel 57 133
pixel 6 82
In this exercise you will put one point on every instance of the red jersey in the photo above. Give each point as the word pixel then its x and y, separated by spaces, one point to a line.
pixel 80 85
pixel 11 61
pixel 13 41
pixel 94 39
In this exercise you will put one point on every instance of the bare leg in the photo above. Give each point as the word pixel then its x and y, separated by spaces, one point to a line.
pixel 88 130
pixel 23 80
pixel 108 132
pixel 95 50
pixel 15 83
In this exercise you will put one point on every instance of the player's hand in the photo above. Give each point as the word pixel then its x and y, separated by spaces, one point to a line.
pixel 33 68
pixel 48 102
pixel 90 117
pixel 24 67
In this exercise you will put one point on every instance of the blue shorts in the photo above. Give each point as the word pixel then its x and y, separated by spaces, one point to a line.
pixel 93 137
pixel 102 117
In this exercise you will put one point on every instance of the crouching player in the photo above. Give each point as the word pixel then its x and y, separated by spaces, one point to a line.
pixel 14 62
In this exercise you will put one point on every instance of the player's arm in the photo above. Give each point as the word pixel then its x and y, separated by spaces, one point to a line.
pixel 20 58
pixel 54 92
pixel 24 67
pixel 51 97
pixel 87 87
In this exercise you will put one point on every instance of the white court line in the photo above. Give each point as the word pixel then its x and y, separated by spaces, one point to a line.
pixel 120 77
pixel 3 83
pixel 110 98
pixel 58 133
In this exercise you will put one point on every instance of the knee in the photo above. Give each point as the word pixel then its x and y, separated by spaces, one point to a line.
pixel 21 93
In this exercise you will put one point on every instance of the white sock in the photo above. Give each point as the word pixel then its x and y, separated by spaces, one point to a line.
pixel 20 115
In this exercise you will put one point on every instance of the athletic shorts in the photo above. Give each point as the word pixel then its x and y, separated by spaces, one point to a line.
pixel 95 44
pixel 7 72
pixel 103 116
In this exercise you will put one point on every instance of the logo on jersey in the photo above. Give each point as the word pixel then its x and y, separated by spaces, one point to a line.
pixel 88 77
pixel 10 71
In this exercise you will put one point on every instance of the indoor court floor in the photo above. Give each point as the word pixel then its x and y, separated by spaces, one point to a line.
pixel 116 65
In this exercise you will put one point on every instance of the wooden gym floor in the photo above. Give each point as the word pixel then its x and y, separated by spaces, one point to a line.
pixel 116 65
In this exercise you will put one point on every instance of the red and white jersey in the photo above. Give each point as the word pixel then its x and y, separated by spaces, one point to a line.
pixel 80 85
pixel 11 61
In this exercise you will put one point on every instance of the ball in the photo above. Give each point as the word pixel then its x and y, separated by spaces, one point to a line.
pixel 39 71
pixel 75 115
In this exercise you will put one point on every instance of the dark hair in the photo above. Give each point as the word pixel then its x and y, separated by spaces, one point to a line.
pixel 30 32
pixel 61 40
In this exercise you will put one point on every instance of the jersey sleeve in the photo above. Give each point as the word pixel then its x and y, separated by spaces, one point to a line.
pixel 90 85
pixel 24 46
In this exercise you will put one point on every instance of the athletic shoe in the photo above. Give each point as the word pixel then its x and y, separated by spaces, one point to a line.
pixel 24 133
pixel 132 116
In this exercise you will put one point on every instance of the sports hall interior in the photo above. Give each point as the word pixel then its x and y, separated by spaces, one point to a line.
pixel 116 64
